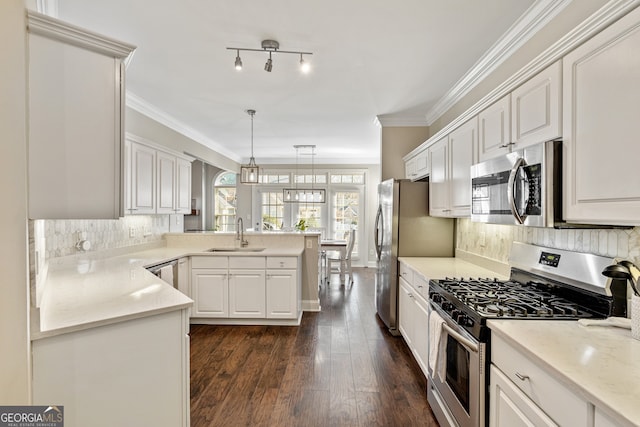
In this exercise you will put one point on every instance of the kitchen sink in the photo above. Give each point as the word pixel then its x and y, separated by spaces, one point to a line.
pixel 235 250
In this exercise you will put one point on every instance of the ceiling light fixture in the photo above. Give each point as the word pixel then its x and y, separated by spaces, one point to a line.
pixel 304 195
pixel 271 46
pixel 249 174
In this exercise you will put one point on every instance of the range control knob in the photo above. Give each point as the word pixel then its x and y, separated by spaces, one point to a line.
pixel 447 306
pixel 437 298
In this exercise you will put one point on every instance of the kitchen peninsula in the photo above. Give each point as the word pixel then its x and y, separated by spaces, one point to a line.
pixel 103 318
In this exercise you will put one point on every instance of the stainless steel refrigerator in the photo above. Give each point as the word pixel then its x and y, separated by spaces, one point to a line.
pixel 403 228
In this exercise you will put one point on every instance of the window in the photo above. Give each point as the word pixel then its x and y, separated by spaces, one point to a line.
pixel 274 178
pixel 224 199
pixel 345 213
pixel 272 210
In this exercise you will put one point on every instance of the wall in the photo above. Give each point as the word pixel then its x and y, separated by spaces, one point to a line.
pixel 397 142
pixel 15 346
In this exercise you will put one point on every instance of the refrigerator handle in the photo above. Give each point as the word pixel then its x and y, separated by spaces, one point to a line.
pixel 378 232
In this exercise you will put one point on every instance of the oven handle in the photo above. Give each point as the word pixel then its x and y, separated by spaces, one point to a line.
pixel 511 190
pixel 470 345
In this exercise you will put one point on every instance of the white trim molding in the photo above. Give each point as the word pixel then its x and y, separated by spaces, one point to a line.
pixel 605 16
pixel 53 28
pixel 143 107
pixel 536 17
pixel 393 120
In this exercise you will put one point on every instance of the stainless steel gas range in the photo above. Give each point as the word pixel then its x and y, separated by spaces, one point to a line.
pixel 544 283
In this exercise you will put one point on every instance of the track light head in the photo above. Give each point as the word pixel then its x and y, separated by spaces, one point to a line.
pixel 238 62
pixel 269 64
pixel 305 67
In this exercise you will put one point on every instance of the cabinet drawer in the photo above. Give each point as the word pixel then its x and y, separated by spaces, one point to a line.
pixel 247 262
pixel 282 262
pixel 553 397
pixel 406 273
pixel 209 261
pixel 421 285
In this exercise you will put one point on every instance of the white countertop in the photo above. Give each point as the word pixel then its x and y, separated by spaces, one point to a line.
pixel 597 362
pixel 439 268
pixel 86 292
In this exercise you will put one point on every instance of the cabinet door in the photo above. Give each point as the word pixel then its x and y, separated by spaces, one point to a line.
pixel 405 315
pixel 166 180
pixel 282 295
pixel 438 180
pixel 494 129
pixel 422 164
pixel 601 127
pixel 210 292
pixel 536 108
pixel 421 333
pixel 509 407
pixel 183 186
pixel 75 133
pixel 410 168
pixel 463 143
pixel 247 294
pixel 143 179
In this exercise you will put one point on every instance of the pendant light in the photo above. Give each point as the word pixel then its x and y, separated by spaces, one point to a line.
pixel 249 174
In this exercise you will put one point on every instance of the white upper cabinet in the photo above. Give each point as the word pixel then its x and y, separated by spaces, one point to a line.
pixel 417 167
pixel 156 181
pixel 494 129
pixel 536 113
pixel 75 116
pixel 450 164
pixel 601 81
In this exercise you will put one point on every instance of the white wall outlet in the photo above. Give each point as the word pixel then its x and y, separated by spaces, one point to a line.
pixel 309 244
pixel 132 232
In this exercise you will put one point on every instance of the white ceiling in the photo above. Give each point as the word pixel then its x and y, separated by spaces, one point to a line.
pixel 370 58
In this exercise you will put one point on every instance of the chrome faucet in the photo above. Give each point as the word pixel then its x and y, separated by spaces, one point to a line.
pixel 240 233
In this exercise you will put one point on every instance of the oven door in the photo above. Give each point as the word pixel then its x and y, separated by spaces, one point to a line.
pixel 461 396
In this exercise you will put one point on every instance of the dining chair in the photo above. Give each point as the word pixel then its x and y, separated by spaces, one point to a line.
pixel 334 257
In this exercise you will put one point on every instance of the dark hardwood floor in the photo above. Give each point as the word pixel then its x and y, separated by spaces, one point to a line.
pixel 340 367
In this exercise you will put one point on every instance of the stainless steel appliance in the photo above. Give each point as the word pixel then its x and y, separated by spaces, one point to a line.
pixel 167 275
pixel 522 187
pixel 403 227
pixel 544 283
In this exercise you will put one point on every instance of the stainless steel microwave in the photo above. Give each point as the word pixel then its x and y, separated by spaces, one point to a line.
pixel 522 187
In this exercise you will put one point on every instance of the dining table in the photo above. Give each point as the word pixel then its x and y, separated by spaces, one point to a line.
pixel 339 246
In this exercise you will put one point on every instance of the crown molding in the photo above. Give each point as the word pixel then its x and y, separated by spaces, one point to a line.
pixel 605 16
pixel 143 107
pixel 53 28
pixel 537 16
pixel 388 120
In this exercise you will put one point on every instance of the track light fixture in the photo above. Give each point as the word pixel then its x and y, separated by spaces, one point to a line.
pixel 271 46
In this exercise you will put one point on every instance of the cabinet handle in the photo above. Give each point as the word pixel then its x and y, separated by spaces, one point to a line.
pixel 522 377
pixel 508 144
pixel 410 295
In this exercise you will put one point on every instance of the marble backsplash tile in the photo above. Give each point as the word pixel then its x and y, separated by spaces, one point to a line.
pixel 494 241
pixel 58 238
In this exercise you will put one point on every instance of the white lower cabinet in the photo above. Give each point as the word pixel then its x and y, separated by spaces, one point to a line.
pixel 134 373
pixel 282 294
pixel 210 288
pixel 510 407
pixel 524 394
pixel 238 287
pixel 414 315
pixel 247 293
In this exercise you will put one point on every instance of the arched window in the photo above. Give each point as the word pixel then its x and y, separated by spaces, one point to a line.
pixel 224 201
